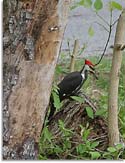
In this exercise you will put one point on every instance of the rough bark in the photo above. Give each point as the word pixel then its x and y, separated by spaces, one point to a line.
pixel 113 130
pixel 33 34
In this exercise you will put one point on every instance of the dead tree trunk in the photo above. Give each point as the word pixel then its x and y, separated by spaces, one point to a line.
pixel 113 130
pixel 33 34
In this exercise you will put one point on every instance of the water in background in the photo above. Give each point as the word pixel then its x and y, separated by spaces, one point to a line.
pixel 80 19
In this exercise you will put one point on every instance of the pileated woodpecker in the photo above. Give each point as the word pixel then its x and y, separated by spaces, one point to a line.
pixel 71 84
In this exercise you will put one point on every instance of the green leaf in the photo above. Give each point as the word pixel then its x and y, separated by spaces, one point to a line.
pixel 107 155
pixel 42 157
pixel 94 144
pixel 95 155
pixel 66 132
pixel 91 31
pixel 77 98
pixel 66 144
pixel 57 150
pixel 100 112
pixel 86 3
pixel 57 102
pixel 119 146
pixel 59 70
pixel 55 88
pixel 98 5
pixel 85 134
pixel 88 145
pixel 115 5
pixel 81 148
pixel 47 134
pixel 81 3
pixel 90 112
pixel 61 124
pixel 111 149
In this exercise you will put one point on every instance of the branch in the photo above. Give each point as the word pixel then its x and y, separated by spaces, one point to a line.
pixel 120 47
pixel 69 47
pixel 102 19
pixel 102 26
pixel 110 30
pixel 82 49
pixel 114 22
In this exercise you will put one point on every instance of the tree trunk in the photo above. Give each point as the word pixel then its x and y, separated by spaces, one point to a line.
pixel 33 33
pixel 73 56
pixel 113 130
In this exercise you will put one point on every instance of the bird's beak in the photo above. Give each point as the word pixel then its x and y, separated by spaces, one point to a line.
pixel 92 70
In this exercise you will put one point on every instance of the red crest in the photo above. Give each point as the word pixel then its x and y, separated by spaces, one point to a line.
pixel 89 63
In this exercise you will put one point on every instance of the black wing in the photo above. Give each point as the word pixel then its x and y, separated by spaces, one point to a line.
pixel 70 83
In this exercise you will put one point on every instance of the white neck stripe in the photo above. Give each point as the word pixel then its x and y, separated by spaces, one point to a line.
pixel 83 75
